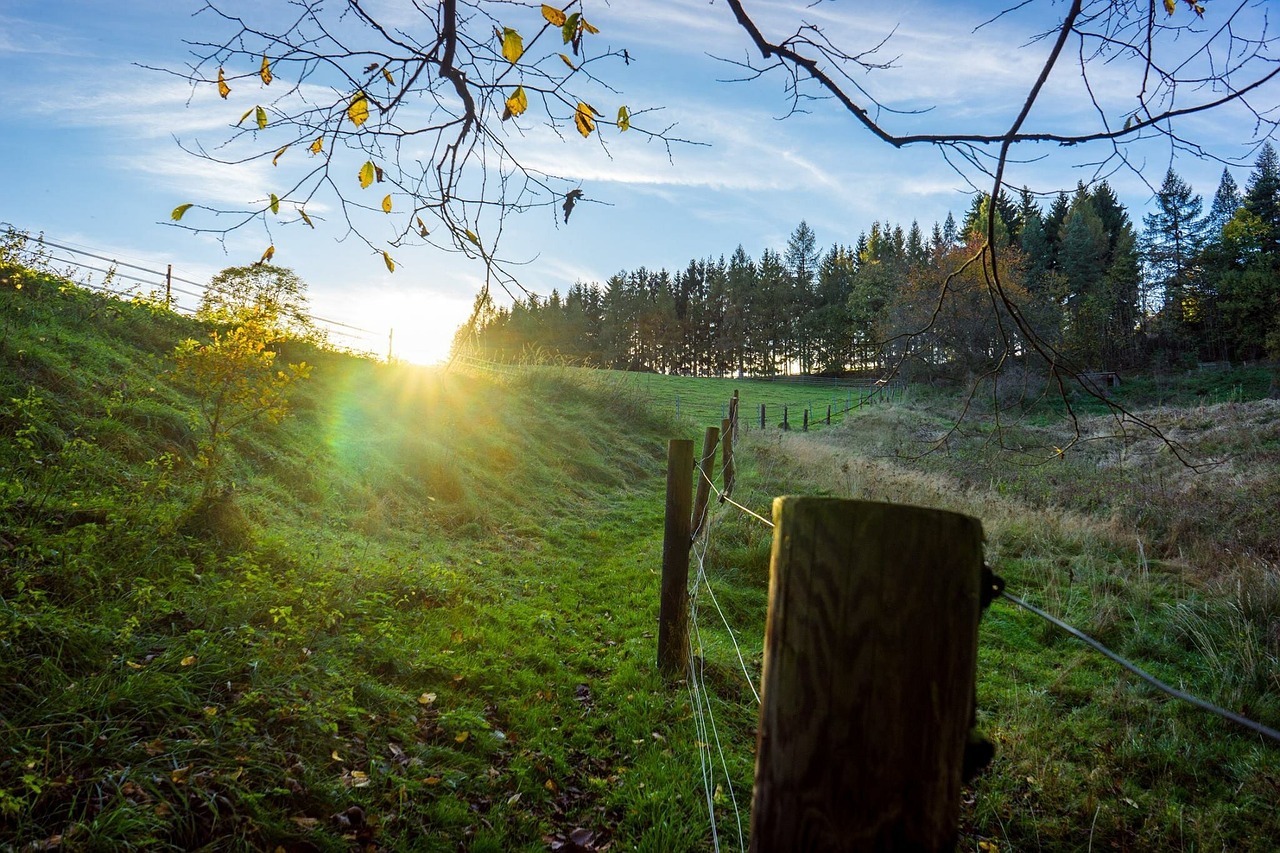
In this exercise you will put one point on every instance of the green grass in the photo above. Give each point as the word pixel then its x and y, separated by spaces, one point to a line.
pixel 421 614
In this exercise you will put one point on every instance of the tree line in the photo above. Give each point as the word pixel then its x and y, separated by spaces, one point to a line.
pixel 1079 286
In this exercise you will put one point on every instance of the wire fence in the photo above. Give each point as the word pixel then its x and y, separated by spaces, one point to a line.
pixel 714 773
pixel 102 271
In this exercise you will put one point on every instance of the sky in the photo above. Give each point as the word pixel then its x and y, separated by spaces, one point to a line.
pixel 93 147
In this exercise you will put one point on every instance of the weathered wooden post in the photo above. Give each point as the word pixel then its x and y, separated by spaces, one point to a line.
pixel 828 414
pixel 727 470
pixel 786 424
pixel 806 420
pixel 733 412
pixel 673 605
pixel 706 468
pixel 762 416
pixel 869 669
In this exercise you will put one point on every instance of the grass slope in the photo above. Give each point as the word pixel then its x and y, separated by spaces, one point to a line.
pixel 423 617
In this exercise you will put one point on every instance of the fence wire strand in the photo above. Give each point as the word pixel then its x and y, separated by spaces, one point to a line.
pixel 1144 675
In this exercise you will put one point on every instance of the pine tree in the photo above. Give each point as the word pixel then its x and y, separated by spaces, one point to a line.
pixel 1262 197
pixel 1171 241
pixel 1226 201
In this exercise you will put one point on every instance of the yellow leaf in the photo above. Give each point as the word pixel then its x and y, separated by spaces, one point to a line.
pixel 1170 6
pixel 188 660
pixel 432 780
pixel 305 218
pixel 512 45
pixel 624 119
pixel 386 204
pixel 426 698
pixel 334 755
pixel 275 203
pixel 265 72
pixel 391 265
pixel 210 711
pixel 588 27
pixel 471 235
pixel 179 775
pixel 554 16
pixel 318 145
pixel 366 175
pixel 268 254
pixel 461 737
pixel 260 115
pixel 247 113
pixel 567 61
pixel 178 211
pixel 391 81
pixel 129 663
pixel 276 159
pixel 583 119
pixel 422 229
pixel 223 88
pixel 358 112
pixel 518 102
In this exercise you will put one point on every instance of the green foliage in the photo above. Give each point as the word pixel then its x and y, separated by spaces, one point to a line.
pixel 236 381
pixel 436 631
pixel 272 297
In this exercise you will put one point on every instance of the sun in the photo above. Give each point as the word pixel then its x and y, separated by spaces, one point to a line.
pixel 411 326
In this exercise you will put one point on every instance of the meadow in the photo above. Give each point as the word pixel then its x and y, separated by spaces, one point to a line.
pixel 421 612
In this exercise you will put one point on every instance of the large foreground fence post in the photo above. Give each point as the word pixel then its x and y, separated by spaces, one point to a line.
pixel 869 669
pixel 673 605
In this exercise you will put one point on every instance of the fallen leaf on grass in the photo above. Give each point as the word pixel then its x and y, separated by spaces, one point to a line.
pixel 426 698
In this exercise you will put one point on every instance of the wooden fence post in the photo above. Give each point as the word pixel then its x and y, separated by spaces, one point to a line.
pixel 762 416
pixel 806 420
pixel 706 469
pixel 673 605
pixel 869 668
pixel 727 467
pixel 733 412
pixel 785 423
pixel 828 415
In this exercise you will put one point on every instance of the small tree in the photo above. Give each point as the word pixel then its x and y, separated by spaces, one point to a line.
pixel 272 296
pixel 237 381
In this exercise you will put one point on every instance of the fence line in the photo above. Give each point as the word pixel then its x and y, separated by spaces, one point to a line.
pixel 701 546
pixel 162 280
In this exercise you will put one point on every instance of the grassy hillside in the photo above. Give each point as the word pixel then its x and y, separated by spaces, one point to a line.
pixel 419 614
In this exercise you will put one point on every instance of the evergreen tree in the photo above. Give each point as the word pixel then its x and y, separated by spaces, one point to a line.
pixel 1262 197
pixel 801 259
pixel 1226 201
pixel 950 232
pixel 1171 241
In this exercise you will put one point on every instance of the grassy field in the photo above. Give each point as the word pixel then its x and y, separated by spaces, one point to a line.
pixel 421 613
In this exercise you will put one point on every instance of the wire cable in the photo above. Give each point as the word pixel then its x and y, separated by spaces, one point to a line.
pixel 1145 676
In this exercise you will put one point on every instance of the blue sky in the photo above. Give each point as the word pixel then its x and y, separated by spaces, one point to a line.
pixel 91 158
